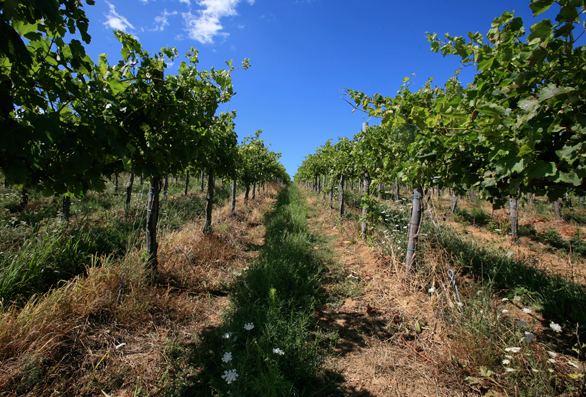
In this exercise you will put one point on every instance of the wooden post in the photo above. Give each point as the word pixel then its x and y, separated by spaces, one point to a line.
pixel 233 206
pixel 324 188
pixel 151 226
pixel 341 194
pixel 366 193
pixel 129 189
pixel 202 180
pixel 253 190
pixel 66 208
pixel 454 202
pixel 207 227
pixel 557 210
pixel 414 228
pixel 332 192
pixel 397 190
pixel 186 182
pixel 513 203
pixel 246 191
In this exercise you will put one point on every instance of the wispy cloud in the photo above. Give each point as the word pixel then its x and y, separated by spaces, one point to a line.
pixel 205 25
pixel 117 21
pixel 188 2
pixel 162 21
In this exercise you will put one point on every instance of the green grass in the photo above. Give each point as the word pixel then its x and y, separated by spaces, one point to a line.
pixel 277 295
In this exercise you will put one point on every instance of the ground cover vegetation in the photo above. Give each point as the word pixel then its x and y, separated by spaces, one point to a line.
pixel 515 135
pixel 509 321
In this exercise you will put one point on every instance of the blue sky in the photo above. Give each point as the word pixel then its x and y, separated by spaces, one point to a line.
pixel 303 53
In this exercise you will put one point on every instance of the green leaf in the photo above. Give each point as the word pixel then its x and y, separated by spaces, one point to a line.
pixel 524 150
pixel 539 6
pixel 541 30
pixel 542 169
pixel 485 63
pixel 491 109
pixel 569 153
pixel 116 85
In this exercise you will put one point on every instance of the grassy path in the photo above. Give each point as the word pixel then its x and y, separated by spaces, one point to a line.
pixel 268 344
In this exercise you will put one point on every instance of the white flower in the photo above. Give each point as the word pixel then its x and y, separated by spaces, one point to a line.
pixel 510 369
pixel 227 335
pixel 278 351
pixel 551 360
pixel 553 354
pixel 556 327
pixel 230 376
pixel 248 326
pixel 431 290
pixel 527 310
pixel 227 357
pixel 505 299
pixel 506 362
pixel 505 311
pixel 573 364
pixel 513 349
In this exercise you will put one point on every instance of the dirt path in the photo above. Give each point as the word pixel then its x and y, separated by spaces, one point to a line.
pixel 389 343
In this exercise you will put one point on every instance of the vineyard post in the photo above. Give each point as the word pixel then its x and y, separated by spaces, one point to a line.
pixel 341 194
pixel 152 217
pixel 454 202
pixel 115 182
pixel 397 190
pixel 66 208
pixel 253 190
pixel 207 228
pixel 186 182
pixel 414 228
pixel 557 210
pixel 332 192
pixel 202 176
pixel 366 185
pixel 129 189
pixel 324 188
pixel 246 191
pixel 233 205
pixel 514 204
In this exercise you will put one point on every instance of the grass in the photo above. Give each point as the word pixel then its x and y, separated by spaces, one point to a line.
pixel 39 250
pixel 483 328
pixel 269 337
pixel 77 339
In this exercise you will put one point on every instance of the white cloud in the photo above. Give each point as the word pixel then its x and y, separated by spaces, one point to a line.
pixel 188 2
pixel 117 21
pixel 161 20
pixel 205 26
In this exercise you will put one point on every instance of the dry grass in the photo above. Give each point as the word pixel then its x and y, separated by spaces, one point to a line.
pixel 76 340
pixel 397 339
